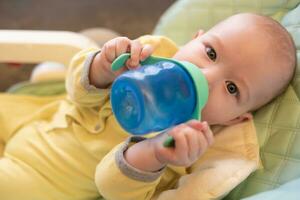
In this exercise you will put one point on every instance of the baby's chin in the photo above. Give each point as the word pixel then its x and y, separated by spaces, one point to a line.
pixel 208 119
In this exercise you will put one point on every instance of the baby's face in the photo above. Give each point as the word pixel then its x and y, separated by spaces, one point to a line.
pixel 234 58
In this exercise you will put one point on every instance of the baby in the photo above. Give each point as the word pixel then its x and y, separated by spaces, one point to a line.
pixel 53 153
pixel 247 59
pixel 238 83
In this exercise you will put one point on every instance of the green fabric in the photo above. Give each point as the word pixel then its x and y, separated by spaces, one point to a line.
pixel 184 18
pixel 277 123
pixel 40 89
pixel 288 191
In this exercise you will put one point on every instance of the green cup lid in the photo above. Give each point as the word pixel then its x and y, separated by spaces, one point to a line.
pixel 197 76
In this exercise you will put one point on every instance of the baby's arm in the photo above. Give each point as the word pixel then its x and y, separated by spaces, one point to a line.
pixel 138 167
pixel 90 74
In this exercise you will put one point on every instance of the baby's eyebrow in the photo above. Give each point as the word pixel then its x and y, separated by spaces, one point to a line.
pixel 218 41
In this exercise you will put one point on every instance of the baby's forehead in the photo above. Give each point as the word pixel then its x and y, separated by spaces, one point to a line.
pixel 246 22
pixel 274 46
pixel 240 45
pixel 251 30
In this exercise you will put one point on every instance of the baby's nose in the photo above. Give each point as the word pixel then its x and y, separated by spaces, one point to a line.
pixel 213 76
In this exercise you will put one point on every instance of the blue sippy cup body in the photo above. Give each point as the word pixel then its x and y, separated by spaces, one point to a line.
pixel 153 97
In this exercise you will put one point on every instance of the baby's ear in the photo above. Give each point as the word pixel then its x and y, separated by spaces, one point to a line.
pixel 199 33
pixel 241 118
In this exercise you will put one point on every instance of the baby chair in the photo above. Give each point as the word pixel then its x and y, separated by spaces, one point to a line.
pixel 52 49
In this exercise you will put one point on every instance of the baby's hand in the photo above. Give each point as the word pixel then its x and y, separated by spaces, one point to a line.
pixel 192 139
pixel 101 73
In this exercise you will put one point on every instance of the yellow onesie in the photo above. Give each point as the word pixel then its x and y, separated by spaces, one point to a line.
pixel 50 148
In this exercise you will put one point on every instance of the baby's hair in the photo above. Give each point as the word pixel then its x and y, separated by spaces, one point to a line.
pixel 283 49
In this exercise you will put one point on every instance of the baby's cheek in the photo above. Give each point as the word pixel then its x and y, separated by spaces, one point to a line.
pixel 211 113
pixel 216 112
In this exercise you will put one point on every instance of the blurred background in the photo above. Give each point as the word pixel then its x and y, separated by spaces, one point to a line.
pixel 131 18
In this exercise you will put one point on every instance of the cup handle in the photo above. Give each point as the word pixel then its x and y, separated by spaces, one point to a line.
pixel 169 142
pixel 120 61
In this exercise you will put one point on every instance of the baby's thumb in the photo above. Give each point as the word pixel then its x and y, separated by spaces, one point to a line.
pixel 196 124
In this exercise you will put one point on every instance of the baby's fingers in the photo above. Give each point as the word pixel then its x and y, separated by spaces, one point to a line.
pixel 122 45
pixel 196 124
pixel 146 52
pixel 204 127
pixel 115 47
pixel 109 50
pixel 192 137
pixel 205 136
pixel 135 52
pixel 208 133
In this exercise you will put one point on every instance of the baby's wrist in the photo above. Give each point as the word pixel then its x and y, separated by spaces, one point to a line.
pixel 141 156
pixel 130 170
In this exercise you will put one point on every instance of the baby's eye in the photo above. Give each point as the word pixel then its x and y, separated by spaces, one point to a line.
pixel 211 53
pixel 232 88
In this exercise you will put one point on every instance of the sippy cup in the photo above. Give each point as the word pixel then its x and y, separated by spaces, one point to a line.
pixel 161 93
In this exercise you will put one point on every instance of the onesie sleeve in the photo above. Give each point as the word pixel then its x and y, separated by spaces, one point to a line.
pixel 78 86
pixel 162 46
pixel 116 179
